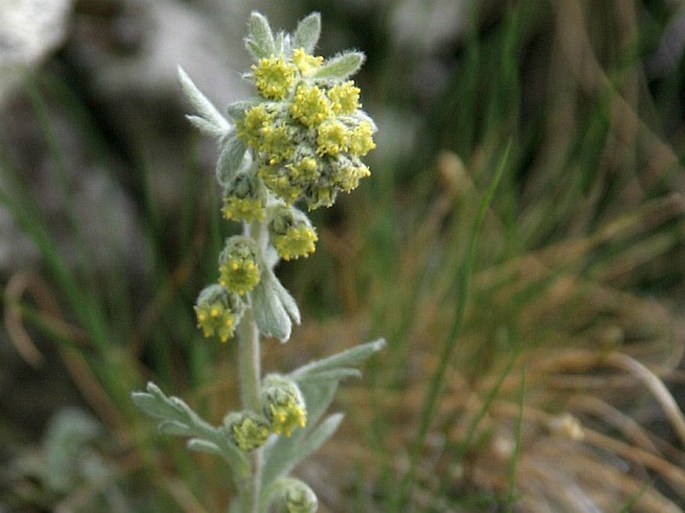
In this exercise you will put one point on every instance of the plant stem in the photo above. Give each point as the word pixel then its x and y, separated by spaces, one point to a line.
pixel 249 369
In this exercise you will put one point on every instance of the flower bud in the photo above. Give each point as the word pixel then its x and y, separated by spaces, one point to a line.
pixel 299 498
pixel 218 312
pixel 239 266
pixel 291 232
pixel 283 404
pixel 247 429
pixel 245 198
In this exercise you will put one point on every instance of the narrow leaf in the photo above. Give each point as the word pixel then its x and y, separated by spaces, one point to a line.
pixel 201 445
pixel 336 374
pixel 290 452
pixel 341 66
pixel 350 357
pixel 260 40
pixel 206 127
pixel 230 159
pixel 288 302
pixel 274 308
pixel 152 405
pixel 307 33
pixel 201 104
pixel 174 427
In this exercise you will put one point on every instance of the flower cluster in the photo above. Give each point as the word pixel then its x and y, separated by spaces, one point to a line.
pixel 300 140
pixel 291 232
pixel 218 312
pixel 283 410
pixel 307 133
pixel 283 405
pixel 239 268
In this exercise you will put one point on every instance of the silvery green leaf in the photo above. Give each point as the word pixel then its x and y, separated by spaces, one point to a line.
pixel 318 396
pixel 281 457
pixel 173 427
pixel 215 123
pixel 319 436
pixel 288 301
pixel 237 109
pixel 179 419
pixel 201 445
pixel 340 66
pixel 336 374
pixel 206 127
pixel 260 39
pixel 230 159
pixel 307 33
pixel 350 357
pixel 282 42
pixel 274 308
pixel 152 405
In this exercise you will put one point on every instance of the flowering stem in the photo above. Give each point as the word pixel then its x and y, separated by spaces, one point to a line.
pixel 249 369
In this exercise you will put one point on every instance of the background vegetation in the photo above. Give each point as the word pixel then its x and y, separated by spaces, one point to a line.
pixel 519 245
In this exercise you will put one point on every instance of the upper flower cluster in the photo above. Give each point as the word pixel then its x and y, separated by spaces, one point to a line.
pixel 306 132
pixel 301 138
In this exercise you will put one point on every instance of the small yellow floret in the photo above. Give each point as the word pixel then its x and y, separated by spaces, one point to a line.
pixel 361 139
pixel 305 62
pixel 310 106
pixel 275 179
pixel 251 127
pixel 238 271
pixel 215 319
pixel 274 77
pixel 287 416
pixel 249 433
pixel 304 170
pixel 243 209
pixel 298 241
pixel 344 98
pixel 277 143
pixel 332 138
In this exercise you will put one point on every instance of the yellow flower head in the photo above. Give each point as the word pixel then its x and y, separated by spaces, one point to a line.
pixel 276 144
pixel 347 173
pixel 299 498
pixel 218 312
pixel 306 63
pixel 332 138
pixel 250 128
pixel 247 430
pixel 283 405
pixel 244 199
pixel 344 98
pixel 303 170
pixel 274 77
pixel 239 270
pixel 243 209
pixel 278 181
pixel 361 139
pixel 310 106
pixel 291 233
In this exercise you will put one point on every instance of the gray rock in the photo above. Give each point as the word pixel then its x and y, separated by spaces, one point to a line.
pixel 29 31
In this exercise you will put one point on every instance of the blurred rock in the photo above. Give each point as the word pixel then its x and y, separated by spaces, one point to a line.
pixel 29 31
pixel 127 62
